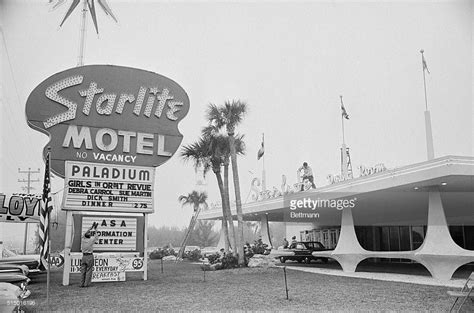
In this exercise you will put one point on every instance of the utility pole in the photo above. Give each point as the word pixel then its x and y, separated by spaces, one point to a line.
pixel 28 189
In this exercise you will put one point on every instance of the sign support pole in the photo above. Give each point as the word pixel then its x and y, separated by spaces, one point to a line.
pixel 67 248
pixel 145 245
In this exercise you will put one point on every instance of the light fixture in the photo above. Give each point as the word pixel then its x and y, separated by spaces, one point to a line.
pixel 444 183
pixel 416 188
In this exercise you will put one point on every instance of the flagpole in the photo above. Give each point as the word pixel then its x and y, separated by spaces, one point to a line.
pixel 264 183
pixel 80 61
pixel 424 78
pixel 343 148
pixel 428 129
pixel 49 238
pixel 49 263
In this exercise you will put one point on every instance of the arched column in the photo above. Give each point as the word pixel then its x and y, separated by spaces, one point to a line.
pixel 439 253
pixel 348 251
pixel 265 230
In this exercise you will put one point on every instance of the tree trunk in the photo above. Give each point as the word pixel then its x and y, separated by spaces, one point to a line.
pixel 227 206
pixel 224 211
pixel 238 202
pixel 189 230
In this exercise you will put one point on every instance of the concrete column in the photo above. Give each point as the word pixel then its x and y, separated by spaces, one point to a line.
pixel 348 251
pixel 265 230
pixel 439 253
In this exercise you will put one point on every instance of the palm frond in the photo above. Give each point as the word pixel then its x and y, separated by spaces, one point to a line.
pixel 214 116
pixel 194 198
pixel 240 144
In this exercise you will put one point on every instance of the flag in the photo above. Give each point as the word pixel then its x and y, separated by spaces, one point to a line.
pixel 45 209
pixel 423 61
pixel 344 113
pixel 261 151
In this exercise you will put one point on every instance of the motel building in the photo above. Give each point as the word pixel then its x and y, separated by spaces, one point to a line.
pixel 422 212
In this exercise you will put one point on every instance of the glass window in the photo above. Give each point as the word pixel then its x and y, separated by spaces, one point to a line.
pixel 394 238
pixel 405 238
pixel 417 236
pixel 457 235
pixel 385 241
pixel 469 237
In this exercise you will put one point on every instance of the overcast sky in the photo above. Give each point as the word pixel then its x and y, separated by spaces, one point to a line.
pixel 289 61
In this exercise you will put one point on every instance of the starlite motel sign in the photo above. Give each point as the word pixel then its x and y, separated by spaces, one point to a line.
pixel 108 114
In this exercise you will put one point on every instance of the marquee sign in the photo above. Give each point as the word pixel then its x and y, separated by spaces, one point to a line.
pixel 108 114
pixel 108 188
pixel 20 208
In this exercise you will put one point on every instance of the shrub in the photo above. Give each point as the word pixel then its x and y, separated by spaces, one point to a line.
pixel 194 255
pixel 219 261
pixel 213 258
pixel 157 254
pixel 160 253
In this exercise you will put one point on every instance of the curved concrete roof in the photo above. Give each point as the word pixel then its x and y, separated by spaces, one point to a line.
pixel 395 196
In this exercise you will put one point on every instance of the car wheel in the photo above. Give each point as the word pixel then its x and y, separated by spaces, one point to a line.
pixel 299 260
pixel 282 259
pixel 307 260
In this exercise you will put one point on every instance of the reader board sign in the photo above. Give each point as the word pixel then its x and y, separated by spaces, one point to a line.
pixel 20 208
pixel 108 114
pixel 108 188
pixel 109 267
pixel 115 233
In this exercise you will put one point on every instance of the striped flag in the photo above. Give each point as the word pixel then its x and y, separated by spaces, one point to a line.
pixel 344 113
pixel 45 209
pixel 425 66
pixel 261 151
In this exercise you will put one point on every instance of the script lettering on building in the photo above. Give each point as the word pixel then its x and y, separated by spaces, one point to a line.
pixel 365 171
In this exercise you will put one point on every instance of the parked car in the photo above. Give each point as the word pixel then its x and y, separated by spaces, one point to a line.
pixel 11 296
pixel 303 252
pixel 29 260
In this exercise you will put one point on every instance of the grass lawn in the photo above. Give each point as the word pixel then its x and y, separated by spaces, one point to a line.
pixel 182 287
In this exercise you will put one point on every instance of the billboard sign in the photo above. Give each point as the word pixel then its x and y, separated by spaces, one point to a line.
pixel 108 114
pixel 109 267
pixel 20 208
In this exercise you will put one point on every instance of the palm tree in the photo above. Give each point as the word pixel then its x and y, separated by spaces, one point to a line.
pixel 206 152
pixel 229 117
pixel 220 143
pixel 197 200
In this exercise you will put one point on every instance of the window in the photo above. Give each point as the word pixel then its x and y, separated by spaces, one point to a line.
pixel 417 236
